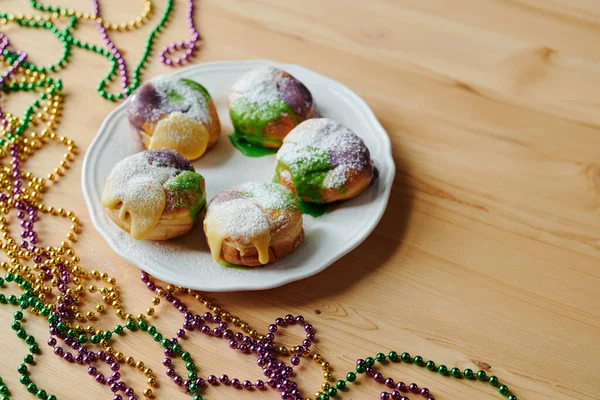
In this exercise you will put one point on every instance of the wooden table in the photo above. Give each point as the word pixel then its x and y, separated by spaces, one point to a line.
pixel 489 253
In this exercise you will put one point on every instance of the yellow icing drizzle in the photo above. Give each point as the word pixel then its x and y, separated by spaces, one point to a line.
pixel 262 243
pixel 177 132
pixel 216 233
pixel 214 236
pixel 144 211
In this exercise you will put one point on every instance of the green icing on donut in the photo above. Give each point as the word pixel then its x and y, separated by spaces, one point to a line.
pixel 187 188
pixel 234 266
pixel 250 119
pixel 238 140
pixel 269 191
pixel 195 85
pixel 308 170
pixel 313 209
pixel 174 98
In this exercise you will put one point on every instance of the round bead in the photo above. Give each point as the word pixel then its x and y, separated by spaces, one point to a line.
pixel 393 356
pixel 369 361
pixel 405 357
pixel 493 380
pixel 360 369
pixel 442 370
pixel 430 365
pixel 351 377
pixel 503 389
pixel 340 384
pixel 332 392
pixel 32 388
pixel 512 397
pixel 481 375
pixel 455 372
pixel 380 357
pixel 468 373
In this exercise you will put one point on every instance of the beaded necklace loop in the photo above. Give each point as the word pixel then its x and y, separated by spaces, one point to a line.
pixel 117 62
pixel 95 16
pixel 190 45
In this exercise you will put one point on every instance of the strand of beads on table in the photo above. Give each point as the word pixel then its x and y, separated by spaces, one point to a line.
pixel 113 54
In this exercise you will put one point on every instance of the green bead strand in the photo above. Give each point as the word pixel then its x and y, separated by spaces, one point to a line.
pixel 430 365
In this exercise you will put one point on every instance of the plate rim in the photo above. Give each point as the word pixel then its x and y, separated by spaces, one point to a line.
pixel 86 181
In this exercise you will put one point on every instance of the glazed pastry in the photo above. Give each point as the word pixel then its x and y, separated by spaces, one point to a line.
pixel 177 114
pixel 323 161
pixel 253 224
pixel 155 194
pixel 267 103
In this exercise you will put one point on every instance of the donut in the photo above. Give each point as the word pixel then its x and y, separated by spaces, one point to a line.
pixel 323 161
pixel 253 224
pixel 175 113
pixel 155 195
pixel 266 104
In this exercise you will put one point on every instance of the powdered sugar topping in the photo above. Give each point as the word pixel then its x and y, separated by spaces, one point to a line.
pixel 270 196
pixel 139 177
pixel 189 100
pixel 260 86
pixel 241 204
pixel 240 219
pixel 316 138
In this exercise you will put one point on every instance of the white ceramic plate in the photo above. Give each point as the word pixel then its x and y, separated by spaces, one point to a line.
pixel 186 260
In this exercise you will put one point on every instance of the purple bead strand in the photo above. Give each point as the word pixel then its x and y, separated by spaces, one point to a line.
pixel 189 45
pixel 278 373
pixel 113 49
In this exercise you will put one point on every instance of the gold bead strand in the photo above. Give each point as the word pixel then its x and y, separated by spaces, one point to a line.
pixel 137 22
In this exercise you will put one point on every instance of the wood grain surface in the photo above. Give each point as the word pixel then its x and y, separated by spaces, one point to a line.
pixel 489 252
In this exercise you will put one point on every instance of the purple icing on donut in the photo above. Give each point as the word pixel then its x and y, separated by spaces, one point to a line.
pixel 166 158
pixel 143 104
pixel 228 195
pixel 356 155
pixel 296 95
